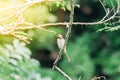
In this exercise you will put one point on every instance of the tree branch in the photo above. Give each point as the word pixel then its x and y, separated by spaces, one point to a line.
pixel 63 73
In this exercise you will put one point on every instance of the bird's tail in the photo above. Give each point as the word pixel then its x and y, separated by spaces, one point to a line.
pixel 67 56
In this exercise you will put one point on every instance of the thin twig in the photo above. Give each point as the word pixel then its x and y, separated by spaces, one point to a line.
pixel 63 73
pixel 20 38
pixel 4 19
pixel 103 6
pixel 112 5
pixel 99 78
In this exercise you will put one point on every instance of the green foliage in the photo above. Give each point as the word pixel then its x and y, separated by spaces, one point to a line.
pixel 110 63
pixel 65 4
pixel 110 28
pixel 109 56
pixel 106 54
pixel 16 64
pixel 81 64
pixel 52 73
pixel 110 3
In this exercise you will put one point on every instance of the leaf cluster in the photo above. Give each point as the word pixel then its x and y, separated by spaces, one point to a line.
pixel 16 64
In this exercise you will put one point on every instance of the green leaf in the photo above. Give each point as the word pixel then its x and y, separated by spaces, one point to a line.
pixel 17 56
pixel 13 61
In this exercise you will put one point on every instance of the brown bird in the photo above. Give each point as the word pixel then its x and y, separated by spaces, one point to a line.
pixel 60 43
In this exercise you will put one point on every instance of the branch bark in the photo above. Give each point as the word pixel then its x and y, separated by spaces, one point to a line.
pixel 63 73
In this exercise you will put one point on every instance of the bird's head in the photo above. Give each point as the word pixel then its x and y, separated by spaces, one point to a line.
pixel 59 36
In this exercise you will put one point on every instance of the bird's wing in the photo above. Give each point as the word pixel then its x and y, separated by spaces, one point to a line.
pixel 60 43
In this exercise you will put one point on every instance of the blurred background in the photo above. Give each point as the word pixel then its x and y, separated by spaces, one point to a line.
pixel 92 53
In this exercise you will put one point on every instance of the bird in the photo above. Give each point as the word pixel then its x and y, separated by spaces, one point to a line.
pixel 60 43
